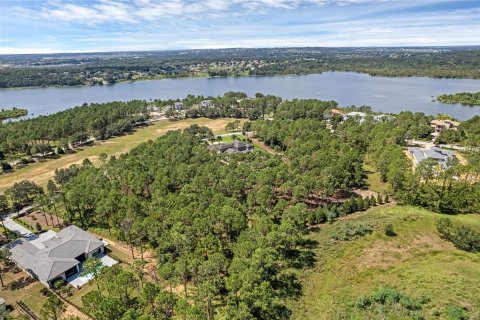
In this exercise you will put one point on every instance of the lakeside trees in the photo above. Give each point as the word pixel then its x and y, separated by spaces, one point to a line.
pixel 71 126
pixel 100 68
pixel 466 98
pixel 12 113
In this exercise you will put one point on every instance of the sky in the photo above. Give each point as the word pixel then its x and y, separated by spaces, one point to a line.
pixel 50 26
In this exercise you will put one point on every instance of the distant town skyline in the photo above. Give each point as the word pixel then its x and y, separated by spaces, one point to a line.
pixel 51 26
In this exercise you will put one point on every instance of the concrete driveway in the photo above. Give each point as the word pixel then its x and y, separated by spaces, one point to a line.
pixel 17 228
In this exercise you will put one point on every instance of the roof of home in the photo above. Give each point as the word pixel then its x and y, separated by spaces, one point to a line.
pixel 55 255
pixel 354 113
pixel 337 111
pixel 234 147
pixel 445 123
pixel 441 155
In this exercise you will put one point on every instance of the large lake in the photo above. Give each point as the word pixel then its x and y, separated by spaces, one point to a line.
pixel 348 88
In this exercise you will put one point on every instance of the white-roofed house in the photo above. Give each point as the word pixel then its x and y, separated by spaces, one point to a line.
pixel 54 256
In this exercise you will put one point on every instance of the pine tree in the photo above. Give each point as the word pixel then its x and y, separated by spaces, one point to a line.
pixel 379 199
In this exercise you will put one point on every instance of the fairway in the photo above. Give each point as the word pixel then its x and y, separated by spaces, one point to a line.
pixel 41 172
pixel 417 262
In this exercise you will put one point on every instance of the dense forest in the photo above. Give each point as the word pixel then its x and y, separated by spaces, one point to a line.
pixel 466 98
pixel 108 68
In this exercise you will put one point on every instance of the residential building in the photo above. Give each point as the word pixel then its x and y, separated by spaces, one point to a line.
pixel 382 117
pixel 206 103
pixel 54 256
pixel 234 147
pixel 178 106
pixel 438 154
pixel 439 125
pixel 357 115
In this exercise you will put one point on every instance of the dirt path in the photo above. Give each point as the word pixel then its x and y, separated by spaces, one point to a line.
pixel 265 147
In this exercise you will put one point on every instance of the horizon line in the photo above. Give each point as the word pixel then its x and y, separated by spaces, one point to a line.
pixel 251 48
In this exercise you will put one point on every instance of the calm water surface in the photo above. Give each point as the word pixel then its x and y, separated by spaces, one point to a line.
pixel 347 88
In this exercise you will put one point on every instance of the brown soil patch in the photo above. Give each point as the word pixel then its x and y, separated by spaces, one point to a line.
pixel 43 218
pixel 365 193
pixel 383 254
pixel 74 312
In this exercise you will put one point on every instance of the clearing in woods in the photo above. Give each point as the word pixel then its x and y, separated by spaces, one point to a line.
pixel 41 172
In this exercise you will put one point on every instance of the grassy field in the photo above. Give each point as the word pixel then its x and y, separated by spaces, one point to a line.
pixel 416 262
pixel 30 295
pixel 374 180
pixel 41 172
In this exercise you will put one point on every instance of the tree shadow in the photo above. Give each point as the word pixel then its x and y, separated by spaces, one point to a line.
pixel 303 256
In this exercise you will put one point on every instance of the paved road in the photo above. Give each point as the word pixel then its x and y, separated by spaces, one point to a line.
pixel 17 228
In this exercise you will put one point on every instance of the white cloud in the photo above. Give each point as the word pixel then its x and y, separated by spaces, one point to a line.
pixel 13 50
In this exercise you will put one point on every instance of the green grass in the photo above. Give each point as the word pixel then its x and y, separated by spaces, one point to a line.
pixel 374 181
pixel 416 262
pixel 30 295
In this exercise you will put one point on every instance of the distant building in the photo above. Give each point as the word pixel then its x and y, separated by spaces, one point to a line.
pixel 439 125
pixel 382 117
pixel 438 154
pixel 178 106
pixel 234 147
pixel 206 103
pixel 360 115
pixel 329 114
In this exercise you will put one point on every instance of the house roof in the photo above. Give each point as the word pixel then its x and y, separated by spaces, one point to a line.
pixel 445 123
pixel 234 147
pixel 439 154
pixel 56 254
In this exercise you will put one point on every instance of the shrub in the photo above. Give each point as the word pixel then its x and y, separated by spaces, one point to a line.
pixel 16 284
pixel 379 199
pixel 38 227
pixel 391 300
pixel 363 302
pixel 351 231
pixel 45 292
pixel 463 237
pixel 389 230
pixel 456 313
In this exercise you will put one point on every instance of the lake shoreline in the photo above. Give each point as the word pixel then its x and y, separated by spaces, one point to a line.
pixel 383 94
pixel 234 77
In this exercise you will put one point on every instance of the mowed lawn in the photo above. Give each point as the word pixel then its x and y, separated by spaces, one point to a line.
pixel 416 262
pixel 41 172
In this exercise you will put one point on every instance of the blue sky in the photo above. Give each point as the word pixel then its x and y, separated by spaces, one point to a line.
pixel 47 26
